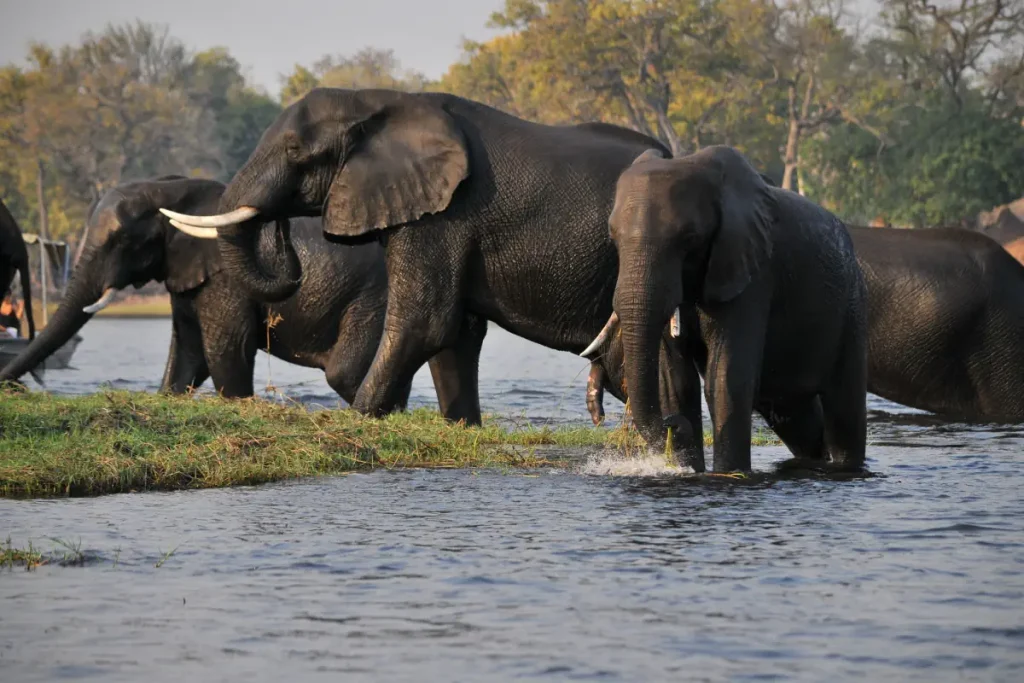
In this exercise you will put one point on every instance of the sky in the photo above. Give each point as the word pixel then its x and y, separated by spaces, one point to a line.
pixel 268 37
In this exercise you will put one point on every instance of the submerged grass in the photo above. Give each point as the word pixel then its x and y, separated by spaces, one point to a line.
pixel 117 441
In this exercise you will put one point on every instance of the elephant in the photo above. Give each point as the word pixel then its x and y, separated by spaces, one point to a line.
pixel 763 289
pixel 1016 249
pixel 945 324
pixel 334 321
pixel 14 257
pixel 483 217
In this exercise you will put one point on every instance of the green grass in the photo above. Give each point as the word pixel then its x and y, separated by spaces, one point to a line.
pixel 118 441
pixel 63 553
pixel 114 442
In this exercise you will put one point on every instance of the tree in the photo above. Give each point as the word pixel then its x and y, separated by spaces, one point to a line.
pixel 368 68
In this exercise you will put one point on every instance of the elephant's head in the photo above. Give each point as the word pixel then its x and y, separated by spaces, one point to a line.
pixel 129 244
pixel 694 230
pixel 364 160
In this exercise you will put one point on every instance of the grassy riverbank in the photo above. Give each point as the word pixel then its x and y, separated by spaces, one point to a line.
pixel 118 441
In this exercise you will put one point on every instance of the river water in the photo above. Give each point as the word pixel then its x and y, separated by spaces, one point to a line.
pixel 554 574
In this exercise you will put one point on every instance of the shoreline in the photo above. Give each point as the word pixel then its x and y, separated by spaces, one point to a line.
pixel 127 442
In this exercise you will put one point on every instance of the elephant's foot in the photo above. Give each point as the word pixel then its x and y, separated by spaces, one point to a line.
pixel 687 447
pixel 796 467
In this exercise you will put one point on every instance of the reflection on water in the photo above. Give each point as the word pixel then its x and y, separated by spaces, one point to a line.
pixel 555 574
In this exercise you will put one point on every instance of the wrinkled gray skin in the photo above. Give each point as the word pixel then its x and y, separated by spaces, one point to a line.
pixel 14 257
pixel 773 302
pixel 484 217
pixel 945 323
pixel 334 320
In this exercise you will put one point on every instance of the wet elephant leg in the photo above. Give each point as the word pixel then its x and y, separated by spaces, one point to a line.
pixel 456 370
pixel 844 404
pixel 681 406
pixel 186 365
pixel 230 327
pixel 800 425
pixel 424 316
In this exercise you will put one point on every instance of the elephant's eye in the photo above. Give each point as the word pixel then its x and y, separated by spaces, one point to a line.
pixel 293 149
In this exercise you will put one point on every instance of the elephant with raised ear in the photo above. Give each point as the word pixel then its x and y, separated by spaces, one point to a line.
pixel 484 216
pixel 14 257
pixel 334 320
pixel 771 306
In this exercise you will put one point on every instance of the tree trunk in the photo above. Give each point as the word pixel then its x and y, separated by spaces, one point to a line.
pixel 44 234
pixel 791 158
pixel 44 218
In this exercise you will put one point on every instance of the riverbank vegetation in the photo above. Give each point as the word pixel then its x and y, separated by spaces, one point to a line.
pixel 115 442
pixel 118 441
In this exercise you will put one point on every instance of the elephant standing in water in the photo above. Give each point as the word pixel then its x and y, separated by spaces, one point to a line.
pixel 770 303
pixel 334 321
pixel 14 257
pixel 484 216
pixel 945 324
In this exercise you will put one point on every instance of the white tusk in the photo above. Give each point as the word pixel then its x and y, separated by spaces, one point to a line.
pixel 223 220
pixel 102 302
pixel 676 323
pixel 602 335
pixel 201 233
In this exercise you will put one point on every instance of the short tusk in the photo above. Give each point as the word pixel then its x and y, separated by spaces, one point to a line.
pixel 201 233
pixel 676 324
pixel 102 302
pixel 602 336
pixel 223 220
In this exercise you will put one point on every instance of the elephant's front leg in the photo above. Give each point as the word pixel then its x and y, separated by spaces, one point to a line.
pixel 423 318
pixel 679 387
pixel 402 352
pixel 186 365
pixel 230 327
pixel 731 382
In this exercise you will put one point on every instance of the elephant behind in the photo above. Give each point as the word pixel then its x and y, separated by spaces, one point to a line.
pixel 334 320
pixel 945 324
pixel 14 257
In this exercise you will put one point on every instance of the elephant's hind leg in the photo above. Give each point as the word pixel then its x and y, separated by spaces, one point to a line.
pixel 455 371
pixel 844 403
pixel 800 425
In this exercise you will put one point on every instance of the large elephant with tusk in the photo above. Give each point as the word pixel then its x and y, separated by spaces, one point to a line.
pixel 484 216
pixel 334 320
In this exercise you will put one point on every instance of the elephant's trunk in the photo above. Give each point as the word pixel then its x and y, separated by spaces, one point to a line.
pixel 641 339
pixel 646 297
pixel 26 292
pixel 84 289
pixel 241 252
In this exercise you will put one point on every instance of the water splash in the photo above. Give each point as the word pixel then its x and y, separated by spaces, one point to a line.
pixel 642 464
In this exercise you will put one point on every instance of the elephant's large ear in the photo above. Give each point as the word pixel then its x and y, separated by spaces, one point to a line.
pixel 407 161
pixel 743 243
pixel 190 261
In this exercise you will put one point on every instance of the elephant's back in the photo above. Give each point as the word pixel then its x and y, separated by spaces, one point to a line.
pixel 946 320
